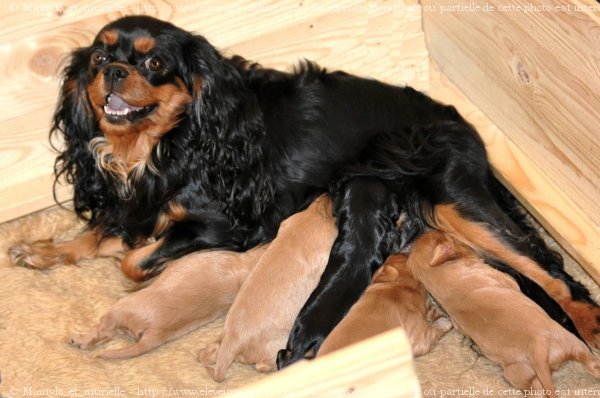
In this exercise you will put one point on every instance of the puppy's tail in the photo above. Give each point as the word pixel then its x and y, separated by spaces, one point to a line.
pixel 227 353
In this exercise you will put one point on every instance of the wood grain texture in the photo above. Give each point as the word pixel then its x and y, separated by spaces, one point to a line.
pixel 571 227
pixel 380 39
pixel 380 367
pixel 536 75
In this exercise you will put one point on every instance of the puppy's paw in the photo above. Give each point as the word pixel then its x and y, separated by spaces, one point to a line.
pixel 586 317
pixel 208 355
pixel 265 366
pixel 38 255
pixel 434 313
pixel 443 324
pixel 83 341
pixel 592 365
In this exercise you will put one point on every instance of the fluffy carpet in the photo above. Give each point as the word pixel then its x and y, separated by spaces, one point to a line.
pixel 40 309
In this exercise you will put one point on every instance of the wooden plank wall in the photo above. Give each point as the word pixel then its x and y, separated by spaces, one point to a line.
pixel 378 367
pixel 373 38
pixel 536 75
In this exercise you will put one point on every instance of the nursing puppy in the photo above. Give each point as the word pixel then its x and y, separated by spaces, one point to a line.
pixel 192 291
pixel 394 299
pixel 488 306
pixel 259 321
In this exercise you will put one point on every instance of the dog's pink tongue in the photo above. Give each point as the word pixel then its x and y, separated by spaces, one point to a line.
pixel 116 103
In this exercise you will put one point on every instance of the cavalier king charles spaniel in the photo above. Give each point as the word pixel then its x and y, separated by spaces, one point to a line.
pixel 172 147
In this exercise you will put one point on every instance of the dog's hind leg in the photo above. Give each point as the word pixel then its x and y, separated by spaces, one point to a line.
pixel 478 221
pixel 366 212
pixel 469 203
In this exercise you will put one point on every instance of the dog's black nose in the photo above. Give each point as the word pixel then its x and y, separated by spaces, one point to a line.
pixel 115 73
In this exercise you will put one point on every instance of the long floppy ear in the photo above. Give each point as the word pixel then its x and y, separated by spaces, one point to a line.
pixel 227 114
pixel 74 125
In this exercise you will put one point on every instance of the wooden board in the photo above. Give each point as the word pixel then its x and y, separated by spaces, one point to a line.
pixel 380 367
pixel 371 38
pixel 552 207
pixel 536 75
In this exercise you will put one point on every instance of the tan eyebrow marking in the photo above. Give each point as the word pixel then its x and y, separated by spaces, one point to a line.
pixel 144 44
pixel 109 37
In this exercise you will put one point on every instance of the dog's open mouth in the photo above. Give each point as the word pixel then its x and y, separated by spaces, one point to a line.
pixel 116 109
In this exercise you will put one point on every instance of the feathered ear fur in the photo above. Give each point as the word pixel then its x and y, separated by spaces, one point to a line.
pixel 227 114
pixel 75 126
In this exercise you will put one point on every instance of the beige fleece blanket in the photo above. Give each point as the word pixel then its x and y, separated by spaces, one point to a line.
pixel 40 309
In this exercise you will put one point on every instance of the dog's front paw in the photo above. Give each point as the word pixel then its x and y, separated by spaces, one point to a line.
pixel 303 343
pixel 38 255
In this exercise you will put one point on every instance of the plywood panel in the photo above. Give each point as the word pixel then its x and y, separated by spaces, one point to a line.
pixel 536 75
pixel 371 38
pixel 378 367
pixel 565 221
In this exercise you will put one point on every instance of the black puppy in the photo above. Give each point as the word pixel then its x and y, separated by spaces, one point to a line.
pixel 173 148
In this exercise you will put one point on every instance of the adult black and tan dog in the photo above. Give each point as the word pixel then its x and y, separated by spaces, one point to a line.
pixel 172 148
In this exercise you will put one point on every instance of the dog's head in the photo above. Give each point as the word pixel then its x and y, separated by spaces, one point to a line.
pixel 139 82
pixel 135 79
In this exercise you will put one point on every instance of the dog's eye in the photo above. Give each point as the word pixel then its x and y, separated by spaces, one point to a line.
pixel 98 58
pixel 154 64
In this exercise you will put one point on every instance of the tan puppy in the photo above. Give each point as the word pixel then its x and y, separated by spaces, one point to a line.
pixel 394 299
pixel 488 306
pixel 261 318
pixel 189 293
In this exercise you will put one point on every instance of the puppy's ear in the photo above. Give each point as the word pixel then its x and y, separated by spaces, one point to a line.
pixel 386 273
pixel 74 125
pixel 443 252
